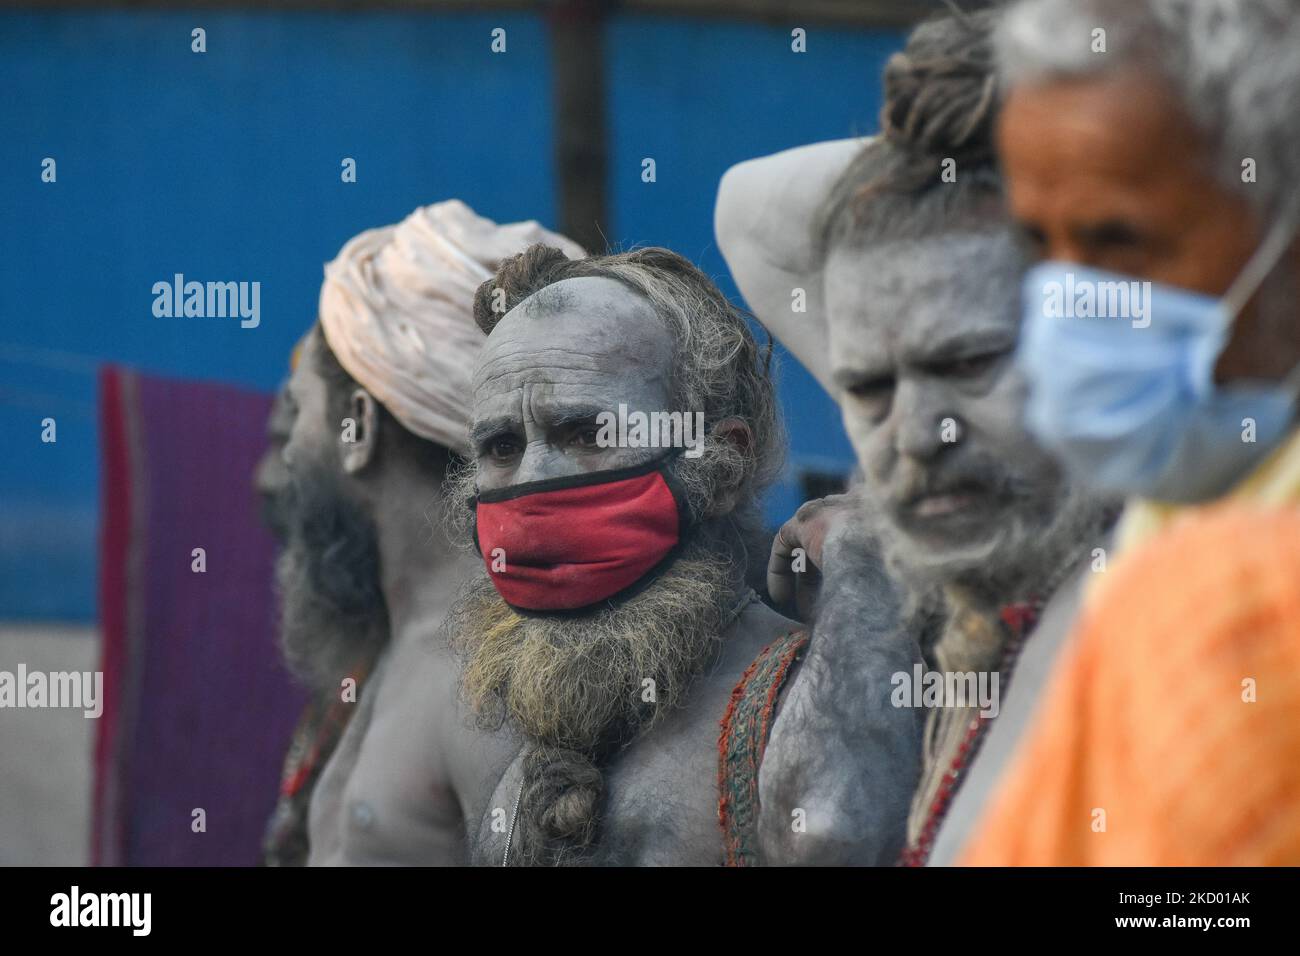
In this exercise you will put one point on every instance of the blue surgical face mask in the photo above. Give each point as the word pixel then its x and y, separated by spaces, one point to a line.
pixel 1121 379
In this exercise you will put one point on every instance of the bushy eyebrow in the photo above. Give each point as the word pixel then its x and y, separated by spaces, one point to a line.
pixel 557 416
pixel 572 413
pixel 970 342
pixel 487 428
pixel 850 377
pixel 958 345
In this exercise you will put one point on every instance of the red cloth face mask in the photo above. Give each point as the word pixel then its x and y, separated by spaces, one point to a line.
pixel 566 543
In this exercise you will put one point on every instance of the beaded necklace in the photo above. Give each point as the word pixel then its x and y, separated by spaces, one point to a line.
pixel 1020 620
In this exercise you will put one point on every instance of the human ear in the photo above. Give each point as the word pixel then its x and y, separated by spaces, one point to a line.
pixel 359 439
pixel 740 437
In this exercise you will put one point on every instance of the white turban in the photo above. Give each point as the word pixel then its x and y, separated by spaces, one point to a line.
pixel 397 310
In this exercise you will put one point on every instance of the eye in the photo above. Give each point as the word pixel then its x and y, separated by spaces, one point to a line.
pixel 870 398
pixel 869 389
pixel 585 436
pixel 503 446
pixel 970 366
pixel 1113 234
pixel 1032 240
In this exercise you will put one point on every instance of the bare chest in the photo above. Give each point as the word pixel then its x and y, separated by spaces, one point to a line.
pixel 384 798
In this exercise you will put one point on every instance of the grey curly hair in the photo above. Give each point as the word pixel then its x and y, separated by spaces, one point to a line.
pixel 1234 65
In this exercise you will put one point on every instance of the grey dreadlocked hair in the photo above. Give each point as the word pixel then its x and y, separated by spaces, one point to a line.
pixel 941 102
pixel 1234 65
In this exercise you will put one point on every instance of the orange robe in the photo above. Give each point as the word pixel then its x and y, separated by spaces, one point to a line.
pixel 1170 732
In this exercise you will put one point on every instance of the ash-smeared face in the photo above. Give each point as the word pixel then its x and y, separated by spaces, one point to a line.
pixel 271 477
pixel 558 360
pixel 328 572
pixel 922 334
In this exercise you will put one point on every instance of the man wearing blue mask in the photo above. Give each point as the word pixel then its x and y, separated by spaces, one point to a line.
pixel 1152 155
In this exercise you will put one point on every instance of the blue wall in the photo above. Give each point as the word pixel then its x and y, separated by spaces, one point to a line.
pixel 700 96
pixel 225 166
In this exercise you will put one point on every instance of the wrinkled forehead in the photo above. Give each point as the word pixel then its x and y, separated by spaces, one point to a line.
pixel 584 331
pixel 1124 125
pixel 906 295
pixel 302 372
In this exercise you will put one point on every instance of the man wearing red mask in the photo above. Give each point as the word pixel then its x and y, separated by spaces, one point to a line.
pixel 612 626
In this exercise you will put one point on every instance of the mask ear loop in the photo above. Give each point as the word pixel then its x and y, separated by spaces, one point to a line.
pixel 1291 384
pixel 1257 269
pixel 1264 259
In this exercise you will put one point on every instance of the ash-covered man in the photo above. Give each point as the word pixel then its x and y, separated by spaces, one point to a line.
pixel 916 280
pixel 325 714
pixel 612 626
pixel 380 409
pixel 271 477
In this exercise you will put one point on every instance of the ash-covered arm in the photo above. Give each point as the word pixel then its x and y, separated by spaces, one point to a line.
pixel 842 762
pixel 763 222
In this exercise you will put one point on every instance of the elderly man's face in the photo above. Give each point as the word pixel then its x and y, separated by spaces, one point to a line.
pixel 271 477
pixel 922 334
pixel 577 348
pixel 1109 172
pixel 329 570
pixel 311 438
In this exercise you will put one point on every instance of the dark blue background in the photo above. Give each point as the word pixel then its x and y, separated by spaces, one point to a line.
pixel 225 166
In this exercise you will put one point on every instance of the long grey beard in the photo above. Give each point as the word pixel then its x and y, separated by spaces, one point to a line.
pixel 580 687
pixel 332 612
pixel 1026 558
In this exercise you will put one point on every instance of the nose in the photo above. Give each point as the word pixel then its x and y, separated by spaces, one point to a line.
pixel 542 460
pixel 1062 246
pixel 925 425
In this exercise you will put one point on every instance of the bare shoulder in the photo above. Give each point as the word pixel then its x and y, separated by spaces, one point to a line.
pixel 756 628
pixel 695 729
pixel 663 796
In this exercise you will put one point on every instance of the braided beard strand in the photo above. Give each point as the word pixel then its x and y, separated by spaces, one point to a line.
pixel 581 688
